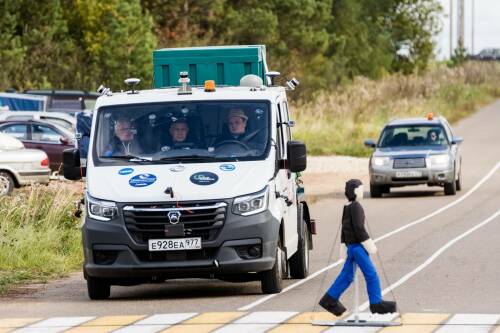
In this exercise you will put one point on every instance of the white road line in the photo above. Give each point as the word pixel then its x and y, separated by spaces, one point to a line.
pixel 257 322
pixel 392 233
pixel 476 323
pixel 54 325
pixel 156 323
pixel 433 257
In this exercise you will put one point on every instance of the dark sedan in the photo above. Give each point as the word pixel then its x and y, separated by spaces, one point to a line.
pixel 50 138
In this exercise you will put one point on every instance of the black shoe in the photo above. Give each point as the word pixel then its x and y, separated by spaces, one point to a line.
pixel 383 307
pixel 332 305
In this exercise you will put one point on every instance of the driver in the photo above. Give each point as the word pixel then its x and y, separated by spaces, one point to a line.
pixel 237 123
pixel 179 130
pixel 124 141
pixel 433 136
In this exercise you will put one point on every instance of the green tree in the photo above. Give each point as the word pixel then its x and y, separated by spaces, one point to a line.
pixel 115 41
pixel 12 51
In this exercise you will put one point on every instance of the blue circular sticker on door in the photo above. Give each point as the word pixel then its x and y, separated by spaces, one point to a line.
pixel 204 178
pixel 142 180
pixel 125 171
pixel 227 167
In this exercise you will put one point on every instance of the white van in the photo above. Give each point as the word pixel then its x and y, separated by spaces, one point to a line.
pixel 193 182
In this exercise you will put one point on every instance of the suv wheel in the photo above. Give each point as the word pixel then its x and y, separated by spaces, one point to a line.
pixel 299 262
pixel 450 188
pixel 375 191
pixel 98 288
pixel 458 183
pixel 271 281
pixel 6 183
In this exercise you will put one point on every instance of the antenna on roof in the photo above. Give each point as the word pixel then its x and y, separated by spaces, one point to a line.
pixel 132 82
pixel 184 81
pixel 272 76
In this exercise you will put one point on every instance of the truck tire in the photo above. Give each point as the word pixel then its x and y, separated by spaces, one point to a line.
pixel 6 183
pixel 375 191
pixel 272 280
pixel 98 288
pixel 299 262
pixel 458 183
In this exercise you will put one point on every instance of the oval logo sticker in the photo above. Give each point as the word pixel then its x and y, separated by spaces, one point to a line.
pixel 125 171
pixel 204 178
pixel 142 180
pixel 227 167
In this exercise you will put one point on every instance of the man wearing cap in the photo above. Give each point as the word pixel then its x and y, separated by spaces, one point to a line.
pixel 236 123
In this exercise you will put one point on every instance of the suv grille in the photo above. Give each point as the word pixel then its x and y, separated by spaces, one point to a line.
pixel 406 163
pixel 199 219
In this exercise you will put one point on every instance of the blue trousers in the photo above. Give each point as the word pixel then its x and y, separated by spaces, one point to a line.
pixel 356 253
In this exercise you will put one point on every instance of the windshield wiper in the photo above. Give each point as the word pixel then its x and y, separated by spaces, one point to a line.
pixel 186 157
pixel 130 158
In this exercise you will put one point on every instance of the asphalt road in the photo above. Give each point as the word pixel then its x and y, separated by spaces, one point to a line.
pixel 462 277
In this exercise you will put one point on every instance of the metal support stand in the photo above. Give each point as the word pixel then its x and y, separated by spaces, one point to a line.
pixel 356 321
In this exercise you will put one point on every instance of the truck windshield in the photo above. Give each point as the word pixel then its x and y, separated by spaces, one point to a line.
pixel 182 132
pixel 415 135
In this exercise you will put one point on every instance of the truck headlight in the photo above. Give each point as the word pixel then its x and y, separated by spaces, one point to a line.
pixel 380 161
pixel 438 160
pixel 251 204
pixel 101 210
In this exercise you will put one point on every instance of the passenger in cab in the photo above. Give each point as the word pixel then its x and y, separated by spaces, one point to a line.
pixel 123 142
pixel 179 139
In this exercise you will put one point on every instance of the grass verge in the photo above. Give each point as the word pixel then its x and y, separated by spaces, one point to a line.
pixel 337 122
pixel 39 236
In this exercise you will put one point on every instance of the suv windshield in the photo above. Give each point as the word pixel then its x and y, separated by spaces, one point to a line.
pixel 415 135
pixel 183 131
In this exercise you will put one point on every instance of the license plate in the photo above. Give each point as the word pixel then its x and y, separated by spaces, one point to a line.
pixel 174 244
pixel 408 174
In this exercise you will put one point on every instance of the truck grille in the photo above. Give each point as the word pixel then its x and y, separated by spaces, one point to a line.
pixel 198 219
pixel 407 163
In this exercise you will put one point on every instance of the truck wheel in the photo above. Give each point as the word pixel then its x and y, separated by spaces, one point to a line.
pixel 450 188
pixel 98 288
pixel 299 262
pixel 271 281
pixel 375 191
pixel 6 183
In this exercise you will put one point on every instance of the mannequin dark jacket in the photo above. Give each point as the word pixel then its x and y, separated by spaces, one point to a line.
pixel 353 224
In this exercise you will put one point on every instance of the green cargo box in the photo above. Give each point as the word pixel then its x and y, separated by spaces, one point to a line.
pixel 224 64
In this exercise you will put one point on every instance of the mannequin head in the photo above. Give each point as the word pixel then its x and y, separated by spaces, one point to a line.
pixel 354 189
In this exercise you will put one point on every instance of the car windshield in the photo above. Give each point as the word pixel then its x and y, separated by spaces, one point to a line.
pixel 414 135
pixel 183 131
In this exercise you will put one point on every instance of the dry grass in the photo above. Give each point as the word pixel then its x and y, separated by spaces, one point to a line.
pixel 39 235
pixel 338 121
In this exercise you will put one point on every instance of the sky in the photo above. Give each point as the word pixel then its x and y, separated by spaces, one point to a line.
pixel 487 26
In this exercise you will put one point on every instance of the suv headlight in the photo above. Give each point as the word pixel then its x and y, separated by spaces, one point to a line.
pixel 251 204
pixel 438 160
pixel 101 210
pixel 380 161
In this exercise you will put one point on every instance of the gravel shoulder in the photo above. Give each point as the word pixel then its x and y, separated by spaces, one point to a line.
pixel 327 174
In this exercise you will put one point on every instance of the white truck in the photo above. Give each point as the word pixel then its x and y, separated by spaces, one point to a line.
pixel 226 202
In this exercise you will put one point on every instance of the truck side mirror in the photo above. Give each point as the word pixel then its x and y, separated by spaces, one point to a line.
pixel 297 156
pixel 370 143
pixel 71 164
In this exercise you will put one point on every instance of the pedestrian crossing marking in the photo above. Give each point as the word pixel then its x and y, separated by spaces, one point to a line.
pixel 105 324
pixel 418 323
pixel 10 323
pixel 205 322
pixel 242 322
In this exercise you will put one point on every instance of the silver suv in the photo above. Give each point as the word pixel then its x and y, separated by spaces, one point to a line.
pixel 415 151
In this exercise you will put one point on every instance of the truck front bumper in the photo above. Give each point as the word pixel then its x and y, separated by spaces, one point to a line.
pixel 111 253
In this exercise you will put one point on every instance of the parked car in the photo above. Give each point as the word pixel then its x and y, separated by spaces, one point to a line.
pixel 487 54
pixel 67 101
pixel 58 118
pixel 415 151
pixel 48 137
pixel 20 166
